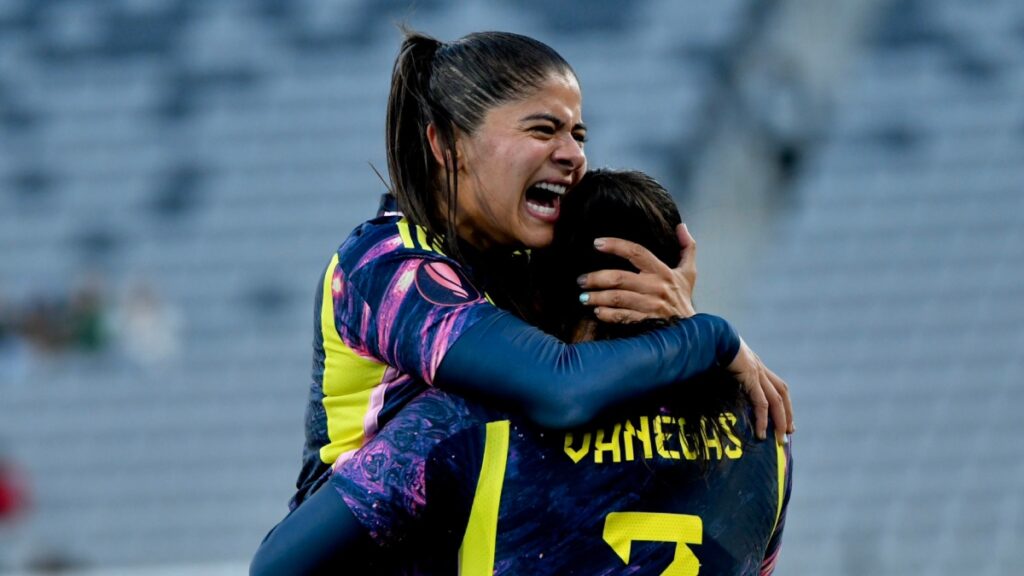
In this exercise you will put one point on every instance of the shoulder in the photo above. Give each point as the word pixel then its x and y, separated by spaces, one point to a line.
pixel 394 463
pixel 384 238
pixel 433 417
pixel 388 254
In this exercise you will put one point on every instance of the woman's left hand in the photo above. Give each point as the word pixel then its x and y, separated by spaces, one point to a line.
pixel 655 292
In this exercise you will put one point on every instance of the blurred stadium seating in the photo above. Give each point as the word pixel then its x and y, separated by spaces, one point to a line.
pixel 893 299
pixel 218 152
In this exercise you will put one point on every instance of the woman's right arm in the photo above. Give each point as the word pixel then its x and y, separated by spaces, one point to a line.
pixel 418 312
pixel 558 385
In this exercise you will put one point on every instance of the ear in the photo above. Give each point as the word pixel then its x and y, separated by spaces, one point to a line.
pixel 435 144
pixel 437 148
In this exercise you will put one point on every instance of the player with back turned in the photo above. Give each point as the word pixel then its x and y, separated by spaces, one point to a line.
pixel 681 486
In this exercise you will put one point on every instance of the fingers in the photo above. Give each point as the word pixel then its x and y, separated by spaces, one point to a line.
pixel 777 408
pixel 638 256
pixel 783 389
pixel 777 394
pixel 768 394
pixel 654 291
pixel 620 315
pixel 760 403
pixel 623 280
pixel 646 305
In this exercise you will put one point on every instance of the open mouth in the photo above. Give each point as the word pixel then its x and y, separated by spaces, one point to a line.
pixel 543 200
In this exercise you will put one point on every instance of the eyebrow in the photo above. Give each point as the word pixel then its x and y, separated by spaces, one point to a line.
pixel 553 119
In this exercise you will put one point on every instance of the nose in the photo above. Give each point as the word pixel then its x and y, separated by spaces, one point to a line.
pixel 569 154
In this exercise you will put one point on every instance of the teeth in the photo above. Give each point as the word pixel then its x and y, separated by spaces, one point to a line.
pixel 553 188
pixel 543 210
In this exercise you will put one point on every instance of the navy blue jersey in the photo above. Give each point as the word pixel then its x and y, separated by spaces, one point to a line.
pixel 462 489
pixel 390 307
pixel 387 308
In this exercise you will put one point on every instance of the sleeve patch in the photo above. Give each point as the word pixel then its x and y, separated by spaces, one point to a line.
pixel 443 285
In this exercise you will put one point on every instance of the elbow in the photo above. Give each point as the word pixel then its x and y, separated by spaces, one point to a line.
pixel 267 562
pixel 259 567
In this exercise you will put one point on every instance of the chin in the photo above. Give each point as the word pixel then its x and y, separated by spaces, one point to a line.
pixel 539 239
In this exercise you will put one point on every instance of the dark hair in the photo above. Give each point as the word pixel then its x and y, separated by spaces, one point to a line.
pixel 452 85
pixel 606 203
pixel 633 206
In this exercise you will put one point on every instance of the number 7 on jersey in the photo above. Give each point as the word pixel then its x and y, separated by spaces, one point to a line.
pixel 621 529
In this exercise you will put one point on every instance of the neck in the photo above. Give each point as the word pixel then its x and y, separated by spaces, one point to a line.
pixel 585 331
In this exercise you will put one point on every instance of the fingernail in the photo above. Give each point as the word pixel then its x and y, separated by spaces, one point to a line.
pixel 584 298
pixel 581 280
pixel 599 243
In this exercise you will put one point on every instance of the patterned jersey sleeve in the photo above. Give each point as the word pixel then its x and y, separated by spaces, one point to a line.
pixel 400 301
pixel 385 483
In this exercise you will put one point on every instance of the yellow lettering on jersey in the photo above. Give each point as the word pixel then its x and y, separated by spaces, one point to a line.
pixel 660 437
pixel 711 441
pixel 734 449
pixel 621 529
pixel 611 445
pixel 573 453
pixel 684 439
pixel 643 434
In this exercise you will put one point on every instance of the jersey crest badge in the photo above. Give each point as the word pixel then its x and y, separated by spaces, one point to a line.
pixel 441 284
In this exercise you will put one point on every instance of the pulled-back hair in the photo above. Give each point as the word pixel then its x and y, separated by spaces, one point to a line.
pixel 633 206
pixel 452 85
pixel 606 203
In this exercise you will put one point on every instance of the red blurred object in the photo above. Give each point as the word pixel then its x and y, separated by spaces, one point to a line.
pixel 13 492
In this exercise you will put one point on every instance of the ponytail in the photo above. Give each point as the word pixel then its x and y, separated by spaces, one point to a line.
pixel 411 165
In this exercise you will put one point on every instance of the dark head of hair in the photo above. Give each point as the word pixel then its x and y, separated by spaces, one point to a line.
pixel 452 85
pixel 633 206
pixel 606 203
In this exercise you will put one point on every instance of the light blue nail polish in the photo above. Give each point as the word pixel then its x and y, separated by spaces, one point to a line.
pixel 584 298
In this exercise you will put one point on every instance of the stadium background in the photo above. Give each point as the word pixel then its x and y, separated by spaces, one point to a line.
pixel 174 175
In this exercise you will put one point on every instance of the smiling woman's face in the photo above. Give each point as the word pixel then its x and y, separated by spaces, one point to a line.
pixel 516 165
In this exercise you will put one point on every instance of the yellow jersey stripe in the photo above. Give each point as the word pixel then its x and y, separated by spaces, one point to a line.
pixel 416 237
pixel 406 233
pixel 421 237
pixel 780 454
pixel 476 555
pixel 349 381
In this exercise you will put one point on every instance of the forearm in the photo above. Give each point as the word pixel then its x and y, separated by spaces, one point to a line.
pixel 512 364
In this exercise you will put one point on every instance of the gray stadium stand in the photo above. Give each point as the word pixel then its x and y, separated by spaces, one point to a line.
pixel 220 152
pixel 894 305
